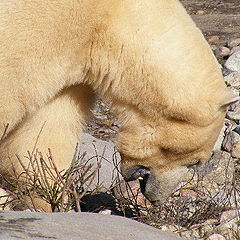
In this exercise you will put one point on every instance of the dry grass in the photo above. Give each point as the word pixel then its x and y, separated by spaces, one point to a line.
pixel 65 190
pixel 41 179
pixel 185 214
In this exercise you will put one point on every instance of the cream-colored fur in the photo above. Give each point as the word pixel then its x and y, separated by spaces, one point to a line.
pixel 147 57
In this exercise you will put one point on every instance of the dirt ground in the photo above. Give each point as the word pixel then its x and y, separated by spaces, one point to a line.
pixel 216 17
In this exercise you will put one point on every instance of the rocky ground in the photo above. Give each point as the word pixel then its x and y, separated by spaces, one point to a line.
pixel 207 204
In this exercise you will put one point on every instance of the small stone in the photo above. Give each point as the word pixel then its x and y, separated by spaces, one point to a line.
pixel 210 185
pixel 206 227
pixel 216 237
pixel 234 50
pixel 230 216
pixel 4 200
pixel 234 43
pixel 218 170
pixel 237 129
pixel 169 228
pixel 130 191
pixel 213 39
pixel 218 143
pixel 224 51
pixel 234 115
pixel 222 197
pixel 233 62
pixel 214 47
pixel 229 221
pixel 200 12
pixel 234 111
pixel 106 212
pixel 188 193
pixel 233 79
pixel 230 139
pixel 236 150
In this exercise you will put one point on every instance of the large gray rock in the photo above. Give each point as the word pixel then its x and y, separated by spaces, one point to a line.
pixel 233 62
pixel 75 226
pixel 233 80
pixel 102 152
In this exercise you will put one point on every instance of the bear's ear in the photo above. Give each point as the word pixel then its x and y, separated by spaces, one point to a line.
pixel 230 98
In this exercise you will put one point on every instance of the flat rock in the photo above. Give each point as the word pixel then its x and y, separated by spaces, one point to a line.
pixel 231 138
pixel 218 143
pixel 233 79
pixel 75 226
pixel 234 43
pixel 233 62
pixel 96 151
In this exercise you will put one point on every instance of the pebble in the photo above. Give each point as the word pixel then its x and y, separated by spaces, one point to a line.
pixel 224 51
pixel 213 39
pixel 106 212
pixel 213 47
pixel 188 193
pixel 4 198
pixel 234 111
pixel 234 50
pixel 229 223
pixel 233 62
pixel 234 43
pixel 230 139
pixel 230 217
pixel 221 169
pixel 233 79
pixel 236 150
pixel 200 12
pixel 218 143
pixel 216 237
pixel 125 192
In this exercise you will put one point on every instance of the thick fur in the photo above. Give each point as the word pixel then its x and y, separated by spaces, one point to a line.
pixel 147 57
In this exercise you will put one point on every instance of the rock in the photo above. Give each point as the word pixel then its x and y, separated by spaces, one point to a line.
pixel 233 79
pixel 236 150
pixel 4 199
pixel 223 197
pixel 230 218
pixel 130 191
pixel 106 212
pixel 234 43
pixel 200 12
pixel 103 152
pixel 229 223
pixel 188 193
pixel 231 138
pixel 234 50
pixel 213 39
pixel 224 51
pixel 225 71
pixel 169 228
pixel 217 171
pixel 218 143
pixel 216 237
pixel 234 111
pixel 233 62
pixel 237 129
pixel 213 47
pixel 75 226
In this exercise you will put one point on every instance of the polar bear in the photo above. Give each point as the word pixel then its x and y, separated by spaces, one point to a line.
pixel 146 57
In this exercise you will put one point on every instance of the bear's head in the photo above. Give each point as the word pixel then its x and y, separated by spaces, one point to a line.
pixel 159 153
